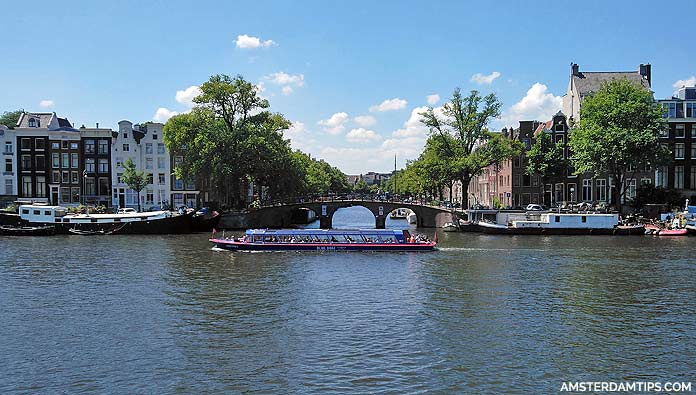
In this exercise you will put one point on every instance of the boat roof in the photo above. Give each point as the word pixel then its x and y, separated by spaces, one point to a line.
pixel 301 232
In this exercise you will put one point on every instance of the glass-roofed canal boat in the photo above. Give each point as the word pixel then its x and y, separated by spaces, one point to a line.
pixel 325 240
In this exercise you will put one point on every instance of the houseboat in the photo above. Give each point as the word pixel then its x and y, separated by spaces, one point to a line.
pixel 552 224
pixel 156 222
pixel 324 240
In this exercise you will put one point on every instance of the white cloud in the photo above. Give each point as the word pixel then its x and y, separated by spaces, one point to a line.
pixel 248 42
pixel 389 105
pixel 335 124
pixel 46 104
pixel 163 114
pixel 433 99
pixel 687 82
pixel 362 135
pixel 283 78
pixel 365 120
pixel 186 96
pixel 537 104
pixel 482 79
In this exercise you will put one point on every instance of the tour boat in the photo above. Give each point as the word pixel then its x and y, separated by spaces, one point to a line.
pixel 324 240
pixel 552 224
pixel 155 222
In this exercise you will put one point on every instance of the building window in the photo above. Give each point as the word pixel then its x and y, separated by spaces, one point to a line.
pixel 149 196
pixel 65 195
pixel 526 180
pixel 26 186
pixel 154 137
pixel 692 178
pixel 631 188
pixel 679 177
pixel 190 185
pixel 126 148
pixel 679 151
pixel 103 147
pixel 26 143
pixel 148 148
pixel 559 196
pixel 103 166
pixel 89 146
pixel 66 160
pixel 75 192
pixel 73 161
pixel 587 190
pixel 40 162
pixel 55 160
pixel 104 186
pixel 160 163
pixel 8 187
pixel 55 177
pixel 148 163
pixel 40 186
pixel 679 131
pixel 693 150
pixel 150 178
pixel 8 147
pixel 65 144
pixel 32 123
pixel 160 178
pixel 119 162
pixel 89 165
pixel 55 145
pixel 178 184
pixel 691 110
pixel 40 144
pixel 90 187
pixel 118 178
pixel 602 190
pixel 74 179
pixel 66 176
pixel 160 149
pixel 8 165
pixel 26 162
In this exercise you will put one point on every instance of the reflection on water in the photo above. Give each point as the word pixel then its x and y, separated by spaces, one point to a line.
pixel 489 314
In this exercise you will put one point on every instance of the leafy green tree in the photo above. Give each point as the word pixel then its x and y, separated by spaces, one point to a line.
pixel 10 118
pixel 618 134
pixel 650 194
pixel 546 158
pixel 232 139
pixel 136 180
pixel 361 187
pixel 467 143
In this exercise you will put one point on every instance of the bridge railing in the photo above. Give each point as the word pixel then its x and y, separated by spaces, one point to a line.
pixel 259 204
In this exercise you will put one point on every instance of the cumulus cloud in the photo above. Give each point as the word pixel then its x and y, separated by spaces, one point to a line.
pixel 335 124
pixel 250 42
pixel 283 78
pixel 389 105
pixel 483 79
pixel 46 103
pixel 365 120
pixel 687 82
pixel 362 135
pixel 537 104
pixel 163 114
pixel 433 99
pixel 186 96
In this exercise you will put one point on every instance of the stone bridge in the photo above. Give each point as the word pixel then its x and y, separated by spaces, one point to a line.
pixel 280 215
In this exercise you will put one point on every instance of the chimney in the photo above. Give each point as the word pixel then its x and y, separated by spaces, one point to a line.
pixel 574 69
pixel 645 71
pixel 97 125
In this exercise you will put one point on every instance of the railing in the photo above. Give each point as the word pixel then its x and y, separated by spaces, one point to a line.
pixel 348 198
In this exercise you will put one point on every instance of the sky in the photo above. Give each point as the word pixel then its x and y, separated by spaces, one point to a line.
pixel 352 76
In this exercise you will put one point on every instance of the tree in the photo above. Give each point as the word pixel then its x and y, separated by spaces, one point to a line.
pixel 361 187
pixel 546 158
pixel 618 134
pixel 136 180
pixel 232 139
pixel 10 118
pixel 467 143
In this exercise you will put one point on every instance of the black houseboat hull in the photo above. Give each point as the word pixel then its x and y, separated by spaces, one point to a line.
pixel 176 224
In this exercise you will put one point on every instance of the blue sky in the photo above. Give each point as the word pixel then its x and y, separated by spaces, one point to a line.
pixel 322 64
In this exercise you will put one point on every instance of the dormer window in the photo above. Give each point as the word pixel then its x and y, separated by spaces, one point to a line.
pixel 32 122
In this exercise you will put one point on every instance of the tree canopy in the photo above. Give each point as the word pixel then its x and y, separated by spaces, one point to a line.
pixel 136 180
pixel 618 134
pixel 466 143
pixel 546 157
pixel 10 118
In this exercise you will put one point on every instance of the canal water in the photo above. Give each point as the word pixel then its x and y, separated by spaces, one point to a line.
pixel 484 314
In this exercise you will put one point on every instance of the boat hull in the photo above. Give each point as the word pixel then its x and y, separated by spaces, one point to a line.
pixel 27 231
pixel 241 246
pixel 499 230
pixel 178 224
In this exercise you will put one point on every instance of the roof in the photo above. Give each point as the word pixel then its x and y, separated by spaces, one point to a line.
pixel 43 117
pixel 544 125
pixel 590 81
pixel 64 123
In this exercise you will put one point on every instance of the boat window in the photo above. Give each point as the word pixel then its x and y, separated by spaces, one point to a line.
pixel 59 213
pixel 25 211
pixel 37 212
pixel 257 238
pixel 57 219
pixel 47 212
pixel 584 218
pixel 93 220
pixel 117 219
pixel 557 218
pixel 66 219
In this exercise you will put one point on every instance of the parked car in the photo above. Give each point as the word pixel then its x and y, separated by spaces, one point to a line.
pixel 534 207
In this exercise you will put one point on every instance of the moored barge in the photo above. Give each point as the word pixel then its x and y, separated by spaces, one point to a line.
pixel 324 240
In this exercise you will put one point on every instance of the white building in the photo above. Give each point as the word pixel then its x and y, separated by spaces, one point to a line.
pixel 8 186
pixel 144 145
